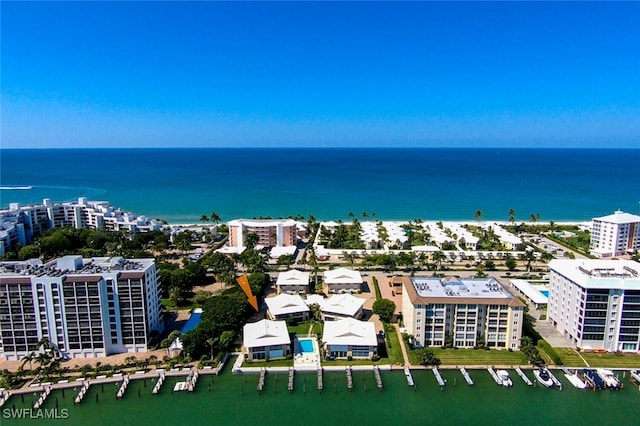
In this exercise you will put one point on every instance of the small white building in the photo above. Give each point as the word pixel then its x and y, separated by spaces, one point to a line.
pixel 285 306
pixel 342 280
pixel 349 337
pixel 266 340
pixel 293 281
pixel 341 306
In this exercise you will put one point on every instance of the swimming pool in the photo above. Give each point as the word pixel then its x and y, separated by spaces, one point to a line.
pixel 306 345
pixel 545 293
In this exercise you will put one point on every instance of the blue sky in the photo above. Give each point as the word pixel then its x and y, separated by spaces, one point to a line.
pixel 161 74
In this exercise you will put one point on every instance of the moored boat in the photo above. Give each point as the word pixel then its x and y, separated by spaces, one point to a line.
pixel 503 375
pixel 609 379
pixel 635 375
pixel 543 377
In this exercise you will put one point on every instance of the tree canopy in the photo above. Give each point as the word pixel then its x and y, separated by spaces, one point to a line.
pixel 384 308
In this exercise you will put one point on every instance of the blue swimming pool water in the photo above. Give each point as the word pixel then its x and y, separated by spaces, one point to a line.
pixel 307 346
pixel 545 293
pixel 193 321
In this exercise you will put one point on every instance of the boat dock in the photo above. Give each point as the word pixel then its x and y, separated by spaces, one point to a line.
pixel 159 384
pixel 494 376
pixel 407 374
pixel 574 379
pixel 439 379
pixel 82 393
pixel 123 387
pixel 260 386
pixel 192 378
pixel 592 379
pixel 466 376
pixel 4 397
pixel 376 374
pixel 320 385
pixel 43 397
pixel 349 378
pixel 290 384
pixel 523 376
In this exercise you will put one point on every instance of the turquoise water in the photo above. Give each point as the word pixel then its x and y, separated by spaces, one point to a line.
pixel 233 400
pixel 306 345
pixel 180 185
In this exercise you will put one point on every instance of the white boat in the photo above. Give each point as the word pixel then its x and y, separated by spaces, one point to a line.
pixel 635 375
pixel 503 375
pixel 543 377
pixel 180 386
pixel 609 379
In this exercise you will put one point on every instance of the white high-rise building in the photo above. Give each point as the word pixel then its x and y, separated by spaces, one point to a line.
pixel 596 303
pixel 615 234
pixel 83 307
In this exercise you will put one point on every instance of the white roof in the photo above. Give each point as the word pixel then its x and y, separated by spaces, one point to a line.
pixel 349 331
pixel 265 333
pixel 619 217
pixel 425 248
pixel 230 250
pixel 276 252
pixel 261 222
pixel 342 304
pixel 293 277
pixel 530 291
pixel 342 276
pixel 283 304
pixel 599 273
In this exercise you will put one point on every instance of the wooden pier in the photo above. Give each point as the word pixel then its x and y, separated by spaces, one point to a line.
pixel 407 374
pixel 466 376
pixel 82 393
pixel 439 379
pixel 555 381
pixel 376 374
pixel 320 379
pixel 349 378
pixel 291 375
pixel 43 397
pixel 494 376
pixel 260 386
pixel 159 384
pixel 524 376
pixel 4 397
pixel 123 387
pixel 192 378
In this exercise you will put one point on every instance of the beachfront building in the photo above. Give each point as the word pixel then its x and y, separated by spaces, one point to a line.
pixel 465 312
pixel 287 306
pixel 342 280
pixel 293 282
pixel 98 215
pixel 350 338
pixel 595 303
pixel 615 235
pixel 507 239
pixel 534 295
pixel 83 307
pixel 341 306
pixel 271 233
pixel 266 339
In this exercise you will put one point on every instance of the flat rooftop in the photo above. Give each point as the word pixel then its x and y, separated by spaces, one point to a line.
pixel 483 288
pixel 599 273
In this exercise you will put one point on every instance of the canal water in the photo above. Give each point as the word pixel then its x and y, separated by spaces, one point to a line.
pixel 233 400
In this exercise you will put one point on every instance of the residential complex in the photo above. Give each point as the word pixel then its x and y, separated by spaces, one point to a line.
pixel 19 223
pixel 468 311
pixel 616 234
pixel 266 339
pixel 596 303
pixel 293 281
pixel 349 337
pixel 83 307
pixel 271 233
pixel 342 280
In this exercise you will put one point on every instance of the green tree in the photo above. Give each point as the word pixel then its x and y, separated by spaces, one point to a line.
pixel 512 216
pixel 384 308
pixel 215 218
pixel 438 258
pixel 478 215
pixel 31 251
pixel 426 356
pixel 204 218
pixel 226 340
pixel 511 264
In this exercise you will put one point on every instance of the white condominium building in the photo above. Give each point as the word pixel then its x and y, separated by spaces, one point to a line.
pixel 596 303
pixel 19 223
pixel 468 311
pixel 271 233
pixel 84 307
pixel 615 234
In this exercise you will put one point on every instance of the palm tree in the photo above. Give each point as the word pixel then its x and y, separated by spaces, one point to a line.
pixel 438 257
pixel 212 341
pixel 29 358
pixel 365 215
pixel 478 215
pixel 215 218
pixel 204 218
pixel 512 215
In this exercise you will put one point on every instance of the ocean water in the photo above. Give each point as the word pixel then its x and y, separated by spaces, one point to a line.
pixel 179 185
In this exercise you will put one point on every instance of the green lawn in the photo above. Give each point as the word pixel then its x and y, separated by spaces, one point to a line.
pixel 393 348
pixel 474 357
pixel 303 328
pixel 569 357
pixel 270 363
pixel 612 360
